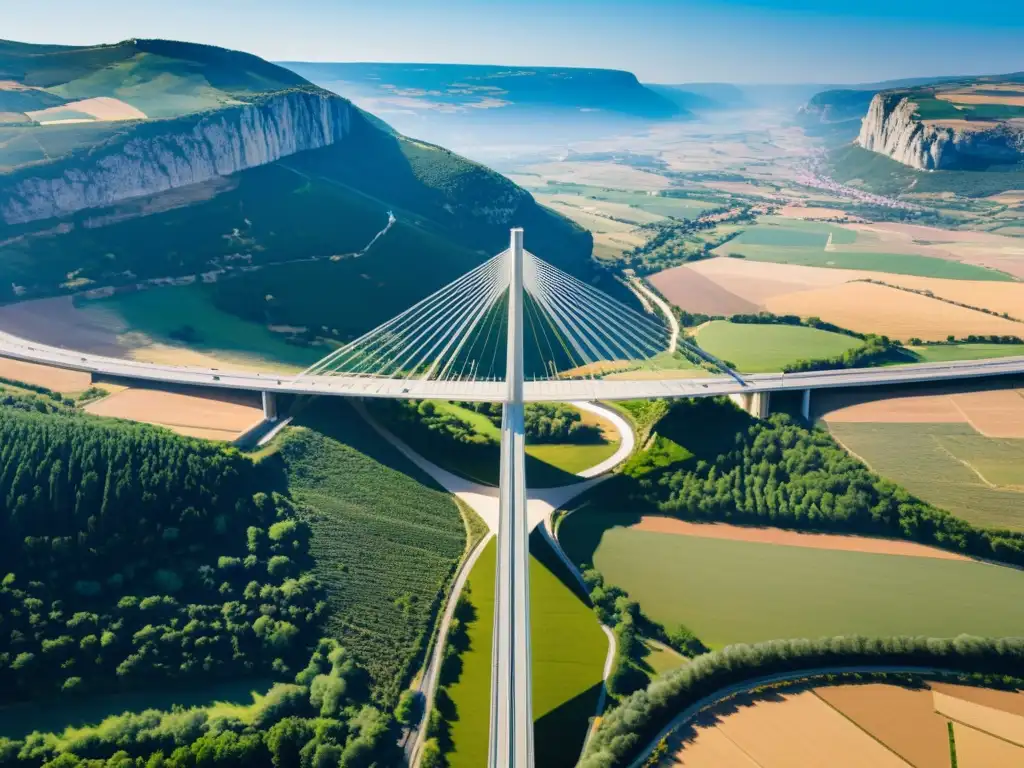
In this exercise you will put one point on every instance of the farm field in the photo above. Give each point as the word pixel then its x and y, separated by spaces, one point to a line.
pixel 818 244
pixel 724 286
pixel 872 308
pixel 658 206
pixel 847 725
pixel 740 591
pixel 959 449
pixel 363 496
pixel 57 379
pixel 19 720
pixel 567 654
pixel 612 236
pixel 943 353
pixel 755 348
pixel 949 465
pixel 211 415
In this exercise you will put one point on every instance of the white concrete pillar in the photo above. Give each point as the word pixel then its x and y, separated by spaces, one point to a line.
pixel 760 405
pixel 805 405
pixel 511 732
pixel 270 406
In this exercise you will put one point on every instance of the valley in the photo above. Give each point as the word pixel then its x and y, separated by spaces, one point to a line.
pixel 277 576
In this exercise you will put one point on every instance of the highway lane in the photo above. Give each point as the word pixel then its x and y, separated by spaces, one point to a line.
pixel 533 391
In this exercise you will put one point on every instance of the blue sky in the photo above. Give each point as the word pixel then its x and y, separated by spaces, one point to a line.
pixel 823 41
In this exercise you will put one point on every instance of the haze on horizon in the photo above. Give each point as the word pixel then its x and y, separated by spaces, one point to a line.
pixel 743 41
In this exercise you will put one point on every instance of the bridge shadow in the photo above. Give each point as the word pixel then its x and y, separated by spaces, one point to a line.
pixel 558 735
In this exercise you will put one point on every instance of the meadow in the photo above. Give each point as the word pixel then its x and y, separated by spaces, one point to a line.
pixel 386 539
pixel 755 348
pixel 948 465
pixel 548 465
pixel 567 653
pixel 806 243
pixel 943 353
pixel 164 314
pixel 741 591
pixel 674 207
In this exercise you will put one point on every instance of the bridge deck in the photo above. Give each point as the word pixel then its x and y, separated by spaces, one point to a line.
pixel 534 391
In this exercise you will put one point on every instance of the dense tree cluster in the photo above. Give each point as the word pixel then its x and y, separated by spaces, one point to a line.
pixel 624 731
pixel 315 722
pixel 777 472
pixel 131 556
pixel 770 318
pixel 876 350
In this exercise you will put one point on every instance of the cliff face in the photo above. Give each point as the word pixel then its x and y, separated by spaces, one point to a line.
pixel 892 129
pixel 161 155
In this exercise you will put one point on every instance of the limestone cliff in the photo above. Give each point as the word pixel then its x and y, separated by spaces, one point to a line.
pixel 155 156
pixel 892 127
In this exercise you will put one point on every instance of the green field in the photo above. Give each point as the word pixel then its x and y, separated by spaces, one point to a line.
pixel 661 658
pixel 737 591
pixel 676 207
pixel 949 465
pixel 790 241
pixel 471 692
pixel 548 465
pixel 757 348
pixel 567 654
pixel 386 539
pixel 892 263
pixel 942 353
pixel 160 312
pixel 19 720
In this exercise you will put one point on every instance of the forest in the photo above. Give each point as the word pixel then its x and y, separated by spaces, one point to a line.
pixel 133 557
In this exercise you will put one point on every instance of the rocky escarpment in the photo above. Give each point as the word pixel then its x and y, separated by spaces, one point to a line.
pixel 156 156
pixel 892 128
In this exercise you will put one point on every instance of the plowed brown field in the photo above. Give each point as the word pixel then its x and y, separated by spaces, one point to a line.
pixel 57 379
pixel 214 417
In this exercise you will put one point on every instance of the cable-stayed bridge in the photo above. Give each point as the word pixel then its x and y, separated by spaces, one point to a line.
pixel 513 330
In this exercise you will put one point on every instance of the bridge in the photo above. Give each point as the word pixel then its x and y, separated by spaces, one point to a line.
pixel 514 330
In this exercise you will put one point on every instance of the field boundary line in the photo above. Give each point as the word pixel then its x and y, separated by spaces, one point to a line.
pixel 723 694
pixel 954 457
pixel 860 728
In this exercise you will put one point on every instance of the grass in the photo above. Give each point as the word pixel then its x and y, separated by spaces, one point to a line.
pixel 568 650
pixel 548 465
pixel 947 465
pixel 677 207
pixel 790 233
pixel 737 591
pixel 386 539
pixel 54 716
pixel 159 312
pixel 470 694
pixel 659 658
pixel 892 263
pixel 942 353
pixel 755 348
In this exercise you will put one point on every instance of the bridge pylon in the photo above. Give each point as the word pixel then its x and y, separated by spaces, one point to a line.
pixel 511 732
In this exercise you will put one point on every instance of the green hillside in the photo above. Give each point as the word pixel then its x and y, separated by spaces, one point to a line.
pixel 286 242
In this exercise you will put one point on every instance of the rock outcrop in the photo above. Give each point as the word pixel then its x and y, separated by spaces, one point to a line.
pixel 155 156
pixel 892 128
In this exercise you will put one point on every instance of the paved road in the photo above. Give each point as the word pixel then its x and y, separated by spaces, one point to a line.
pixel 663 306
pixel 483 500
pixel 534 391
